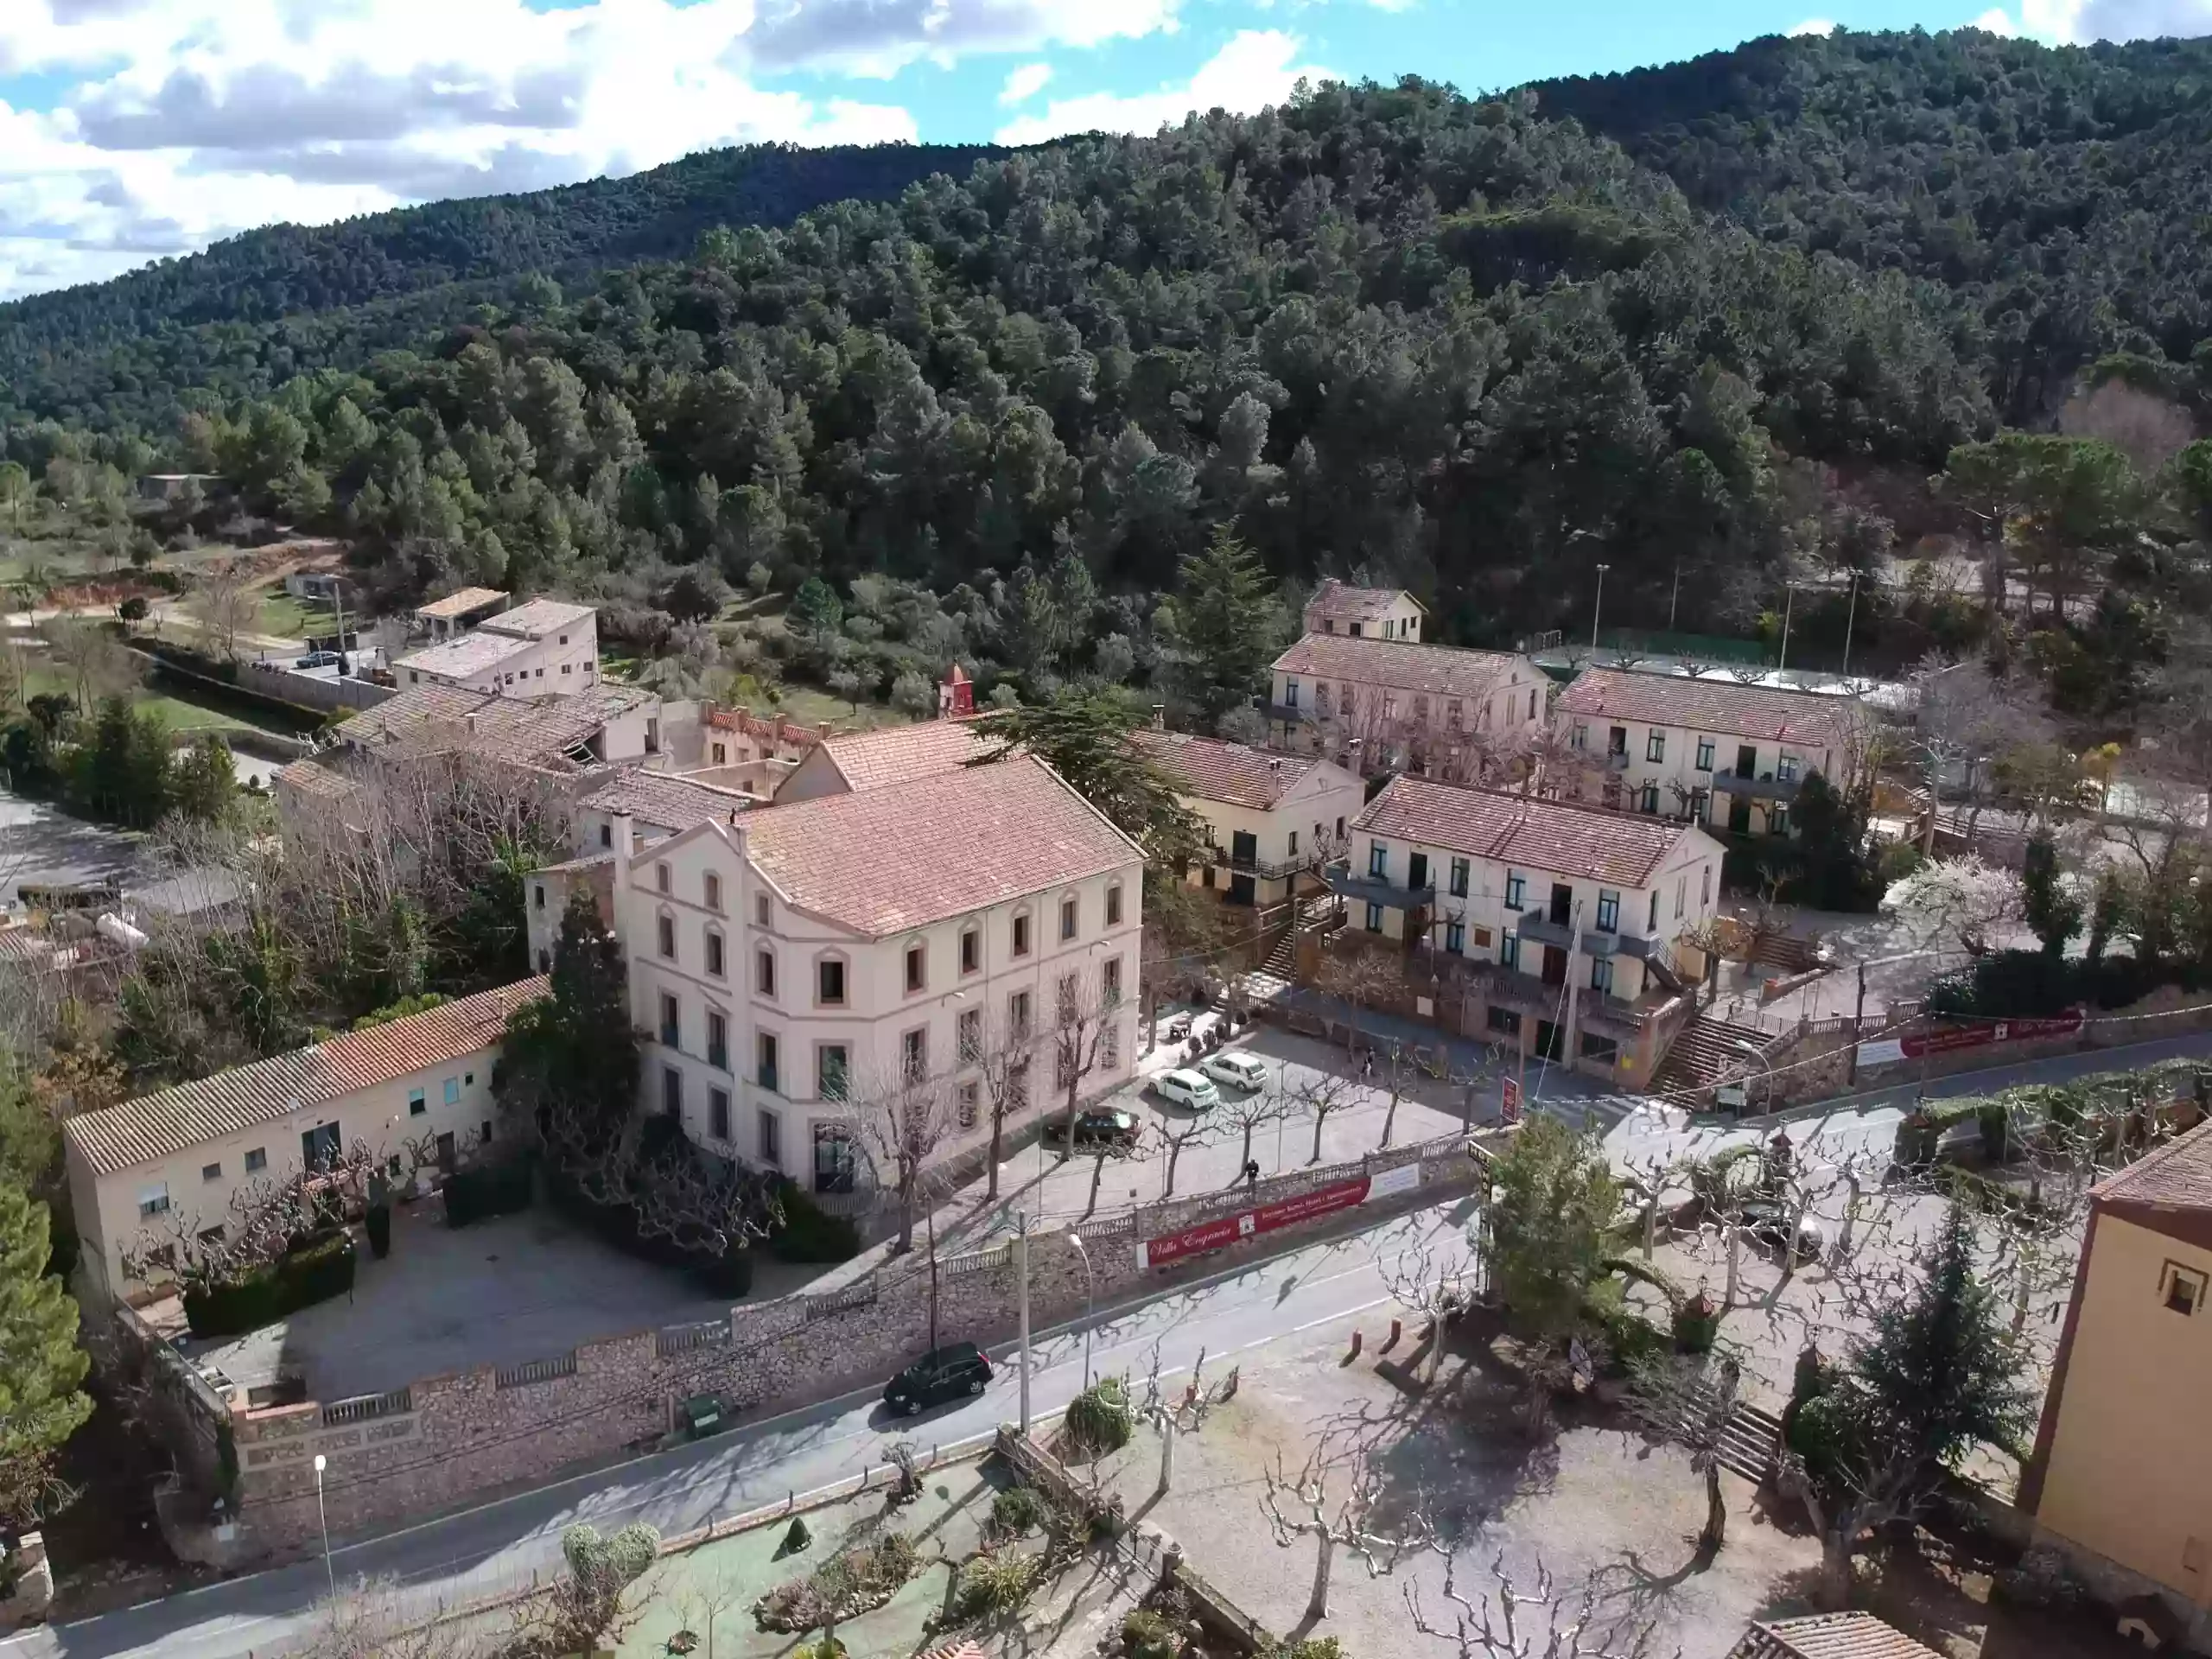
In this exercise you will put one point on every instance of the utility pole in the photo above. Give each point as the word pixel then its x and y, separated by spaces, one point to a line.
pixel 1674 597
pixel 1573 988
pixel 1850 620
pixel 1598 605
pixel 1788 600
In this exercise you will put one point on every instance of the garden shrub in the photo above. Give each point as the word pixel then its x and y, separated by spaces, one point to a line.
pixel 1148 1635
pixel 314 1272
pixel 483 1191
pixel 809 1234
pixel 1016 1511
pixel 997 1583
pixel 378 1223
pixel 1098 1420
pixel 1696 1324
pixel 796 1538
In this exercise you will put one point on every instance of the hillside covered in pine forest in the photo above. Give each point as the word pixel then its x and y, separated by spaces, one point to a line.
pixel 1477 346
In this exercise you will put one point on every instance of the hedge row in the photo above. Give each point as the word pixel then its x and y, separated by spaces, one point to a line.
pixel 314 1272
pixel 487 1189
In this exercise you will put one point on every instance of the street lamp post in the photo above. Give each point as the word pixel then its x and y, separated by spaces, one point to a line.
pixel 1598 605
pixel 1021 1277
pixel 1745 1046
pixel 1089 1301
pixel 323 1516
pixel 1850 620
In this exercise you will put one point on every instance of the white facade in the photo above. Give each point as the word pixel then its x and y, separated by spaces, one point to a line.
pixel 1376 705
pixel 770 1027
pixel 544 648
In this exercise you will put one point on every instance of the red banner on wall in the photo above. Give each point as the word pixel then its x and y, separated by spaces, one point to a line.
pixel 1887 1051
pixel 1225 1230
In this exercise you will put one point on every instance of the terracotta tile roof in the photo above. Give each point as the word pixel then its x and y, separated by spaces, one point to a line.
pixel 1720 706
pixel 669 802
pixel 1829 1635
pixel 1435 670
pixel 460 603
pixel 539 618
pixel 2178 1177
pixel 1557 836
pixel 311 777
pixel 1214 771
pixel 160 1125
pixel 435 719
pixel 899 754
pixel 1346 604
pixel 882 861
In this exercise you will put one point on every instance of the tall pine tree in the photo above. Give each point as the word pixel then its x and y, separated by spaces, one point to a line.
pixel 41 1365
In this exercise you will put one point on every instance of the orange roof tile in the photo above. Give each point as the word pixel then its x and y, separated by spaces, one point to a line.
pixel 1557 836
pixel 1400 664
pixel 1829 1635
pixel 157 1125
pixel 1721 706
pixel 898 754
pixel 1214 771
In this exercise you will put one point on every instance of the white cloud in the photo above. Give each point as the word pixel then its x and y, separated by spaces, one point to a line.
pixel 180 121
pixel 2061 23
pixel 1254 69
pixel 1025 83
pixel 1814 26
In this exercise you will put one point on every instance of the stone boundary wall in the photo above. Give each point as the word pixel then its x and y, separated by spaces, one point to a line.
pixel 289 684
pixel 444 1439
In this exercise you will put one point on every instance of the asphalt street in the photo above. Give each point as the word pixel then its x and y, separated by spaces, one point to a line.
pixel 462 1555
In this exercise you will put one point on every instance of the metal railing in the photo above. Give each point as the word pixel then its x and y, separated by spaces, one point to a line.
pixel 861 1292
pixel 535 1371
pixel 362 1407
pixel 672 1340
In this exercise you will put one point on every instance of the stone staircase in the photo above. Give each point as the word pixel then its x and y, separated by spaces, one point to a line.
pixel 1704 1052
pixel 1273 977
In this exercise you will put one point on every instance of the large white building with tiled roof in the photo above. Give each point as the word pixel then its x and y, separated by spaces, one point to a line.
pixel 1566 923
pixel 855 761
pixel 422 1081
pixel 1390 705
pixel 796 966
pixel 546 647
pixel 1364 613
pixel 1713 751
pixel 1267 815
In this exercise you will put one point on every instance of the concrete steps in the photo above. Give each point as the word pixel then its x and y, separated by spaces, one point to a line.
pixel 1705 1051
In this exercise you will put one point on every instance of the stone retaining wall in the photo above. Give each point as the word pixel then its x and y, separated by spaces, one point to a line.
pixel 444 1439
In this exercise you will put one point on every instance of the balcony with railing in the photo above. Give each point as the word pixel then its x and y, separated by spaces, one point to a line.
pixel 1378 890
pixel 1541 929
pixel 1268 870
pixel 1766 787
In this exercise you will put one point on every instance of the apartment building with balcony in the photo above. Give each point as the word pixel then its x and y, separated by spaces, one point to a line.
pixel 1564 926
pixel 1390 705
pixel 1364 613
pixel 1268 817
pixel 546 647
pixel 1715 752
pixel 797 965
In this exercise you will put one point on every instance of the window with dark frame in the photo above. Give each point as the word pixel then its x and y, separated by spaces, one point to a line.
pixel 829 982
pixel 971 949
pixel 1021 936
pixel 1114 903
pixel 917 967
pixel 2181 1289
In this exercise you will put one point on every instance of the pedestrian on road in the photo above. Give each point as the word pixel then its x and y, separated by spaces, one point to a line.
pixel 1367 1064
pixel 1251 1173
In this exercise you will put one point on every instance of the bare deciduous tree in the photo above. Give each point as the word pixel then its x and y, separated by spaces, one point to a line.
pixel 1303 1507
pixel 225 605
pixel 1547 1623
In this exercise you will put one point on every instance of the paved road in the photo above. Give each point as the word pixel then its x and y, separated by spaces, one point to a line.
pixel 499 1543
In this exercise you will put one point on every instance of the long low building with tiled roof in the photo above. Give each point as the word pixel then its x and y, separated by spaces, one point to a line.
pixel 1378 705
pixel 1714 750
pixel 1569 926
pixel 184 1155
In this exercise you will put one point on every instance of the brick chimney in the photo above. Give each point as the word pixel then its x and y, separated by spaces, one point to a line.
pixel 955 697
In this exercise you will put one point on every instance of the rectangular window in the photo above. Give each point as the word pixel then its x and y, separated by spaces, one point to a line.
pixel 1290 693
pixel 1069 914
pixel 1603 1049
pixel 1421 711
pixel 671 1021
pixel 717 1041
pixel 1651 923
pixel 714 953
pixel 1601 973
pixel 1455 938
pixel 1649 798
pixel 153 1201
pixel 211 1172
pixel 721 754
pixel 1785 770
pixel 1578 738
pixel 1375 919
pixel 971 949
pixel 763 972
pixel 829 982
pixel 453 1091
pixel 537 895
pixel 914 1053
pixel 1608 911
pixel 1704 755
pixel 760 910
pixel 1114 902
pixel 1681 890
pixel 718 1113
pixel 765 1070
pixel 1067 1003
pixel 319 1146
pixel 834 1163
pixel 771 1138
pixel 1018 1015
pixel 1340 827
pixel 1110 983
pixel 671 1092
pixel 661 876
pixel 257 1160
pixel 1454 714
pixel 971 1098
pixel 917 973
pixel 1515 889
pixel 1459 879
pixel 1294 843
pixel 1505 1021
pixel 1378 861
pixel 1655 746
pixel 1705 888
pixel 970 1030
pixel 1508 951
pixel 2182 1289
pixel 829 1070
pixel 1021 936
pixel 667 940
pixel 607 835
pixel 415 1104
pixel 1778 819
pixel 714 889
pixel 1110 1048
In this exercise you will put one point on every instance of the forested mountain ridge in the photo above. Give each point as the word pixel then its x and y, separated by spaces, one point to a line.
pixel 398 273
pixel 2066 193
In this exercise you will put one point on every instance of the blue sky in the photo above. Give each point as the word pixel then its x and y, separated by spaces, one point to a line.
pixel 134 129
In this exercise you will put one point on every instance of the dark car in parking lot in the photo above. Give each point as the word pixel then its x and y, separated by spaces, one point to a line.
pixel 1094 1130
pixel 955 1371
